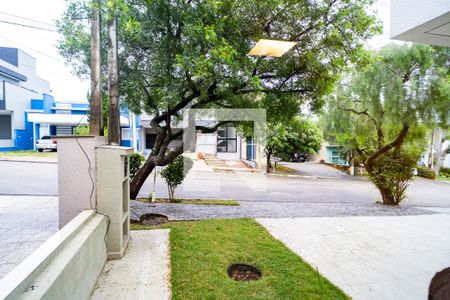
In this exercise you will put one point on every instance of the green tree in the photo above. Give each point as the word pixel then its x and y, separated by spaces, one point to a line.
pixel 175 172
pixel 180 54
pixel 383 111
pixel 297 135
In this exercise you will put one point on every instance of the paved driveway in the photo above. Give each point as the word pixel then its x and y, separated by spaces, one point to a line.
pixel 371 257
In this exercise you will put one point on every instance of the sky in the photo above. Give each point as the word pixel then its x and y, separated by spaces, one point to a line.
pixel 42 44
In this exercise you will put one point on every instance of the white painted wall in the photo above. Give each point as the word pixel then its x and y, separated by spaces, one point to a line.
pixel 18 100
pixel 206 143
pixel 412 20
pixel 407 14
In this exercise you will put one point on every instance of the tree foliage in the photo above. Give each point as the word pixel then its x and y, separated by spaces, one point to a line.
pixel 180 54
pixel 383 111
pixel 297 135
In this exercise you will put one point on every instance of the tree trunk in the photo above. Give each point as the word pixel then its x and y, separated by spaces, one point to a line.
pixel 268 162
pixel 113 77
pixel 96 100
pixel 141 176
pixel 388 197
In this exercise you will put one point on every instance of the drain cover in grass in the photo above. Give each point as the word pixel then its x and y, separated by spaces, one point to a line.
pixel 153 219
pixel 243 272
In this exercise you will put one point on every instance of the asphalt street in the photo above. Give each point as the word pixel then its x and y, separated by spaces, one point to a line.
pixel 19 178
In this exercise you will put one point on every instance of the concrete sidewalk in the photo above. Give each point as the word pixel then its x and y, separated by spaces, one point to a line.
pixel 144 271
pixel 371 257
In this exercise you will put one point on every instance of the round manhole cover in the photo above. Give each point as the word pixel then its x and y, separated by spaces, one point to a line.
pixel 243 272
pixel 153 219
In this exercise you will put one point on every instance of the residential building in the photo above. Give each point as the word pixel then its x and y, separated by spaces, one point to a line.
pixel 18 85
pixel 225 143
pixel 28 111
pixel 418 21
pixel 425 22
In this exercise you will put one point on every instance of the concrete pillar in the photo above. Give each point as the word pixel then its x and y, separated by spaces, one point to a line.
pixel 113 195
pixel 76 175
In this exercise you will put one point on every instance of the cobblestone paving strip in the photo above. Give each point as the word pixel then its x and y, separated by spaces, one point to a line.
pixel 270 210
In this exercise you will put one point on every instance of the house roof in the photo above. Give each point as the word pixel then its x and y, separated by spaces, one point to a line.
pixel 66 119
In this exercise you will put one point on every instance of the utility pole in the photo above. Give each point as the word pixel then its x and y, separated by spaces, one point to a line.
pixel 113 83
pixel 96 103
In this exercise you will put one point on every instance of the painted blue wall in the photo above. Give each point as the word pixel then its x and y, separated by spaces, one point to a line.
pixel 125 143
pixel 49 102
pixel 37 104
pixel 23 138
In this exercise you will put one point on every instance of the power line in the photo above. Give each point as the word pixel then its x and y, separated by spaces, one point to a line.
pixel 28 19
pixel 31 49
pixel 28 26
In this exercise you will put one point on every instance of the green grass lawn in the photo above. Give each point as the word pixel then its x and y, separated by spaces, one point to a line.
pixel 193 201
pixel 284 169
pixel 27 153
pixel 201 252
pixel 443 178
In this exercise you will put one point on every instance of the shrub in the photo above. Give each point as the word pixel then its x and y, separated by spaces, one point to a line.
pixel 425 172
pixel 444 172
pixel 135 161
pixel 175 172
pixel 391 174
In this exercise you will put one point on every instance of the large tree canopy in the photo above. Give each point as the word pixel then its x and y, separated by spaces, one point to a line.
pixel 381 113
pixel 194 53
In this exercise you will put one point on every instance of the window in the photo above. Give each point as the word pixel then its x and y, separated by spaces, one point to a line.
pixel 5 127
pixel 127 134
pixel 226 139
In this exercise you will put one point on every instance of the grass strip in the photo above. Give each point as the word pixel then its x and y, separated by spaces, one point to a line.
pixel 193 201
pixel 201 252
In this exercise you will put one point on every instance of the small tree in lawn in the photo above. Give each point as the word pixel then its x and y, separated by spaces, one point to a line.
pixel 175 172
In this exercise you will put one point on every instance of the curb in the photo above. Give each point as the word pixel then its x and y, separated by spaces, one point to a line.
pixel 299 176
pixel 28 161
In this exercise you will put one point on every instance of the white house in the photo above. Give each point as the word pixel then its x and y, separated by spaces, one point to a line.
pixel 425 22
pixel 419 21
pixel 225 143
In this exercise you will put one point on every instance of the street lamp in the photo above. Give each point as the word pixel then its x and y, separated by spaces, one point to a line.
pixel 273 48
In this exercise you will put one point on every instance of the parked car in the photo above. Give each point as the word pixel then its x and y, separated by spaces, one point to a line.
pixel 46 143
pixel 299 157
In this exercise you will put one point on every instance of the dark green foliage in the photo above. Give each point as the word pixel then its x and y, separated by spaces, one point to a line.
pixel 425 172
pixel 175 173
pixel 444 172
pixel 391 174
pixel 135 160
pixel 294 135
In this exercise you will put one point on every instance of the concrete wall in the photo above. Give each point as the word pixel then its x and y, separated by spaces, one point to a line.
pixel 75 172
pixel 66 266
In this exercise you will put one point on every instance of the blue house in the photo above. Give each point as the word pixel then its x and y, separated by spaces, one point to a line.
pixel 28 111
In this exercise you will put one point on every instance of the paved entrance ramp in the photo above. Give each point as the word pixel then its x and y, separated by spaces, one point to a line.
pixel 371 257
pixel 317 170
pixel 144 271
